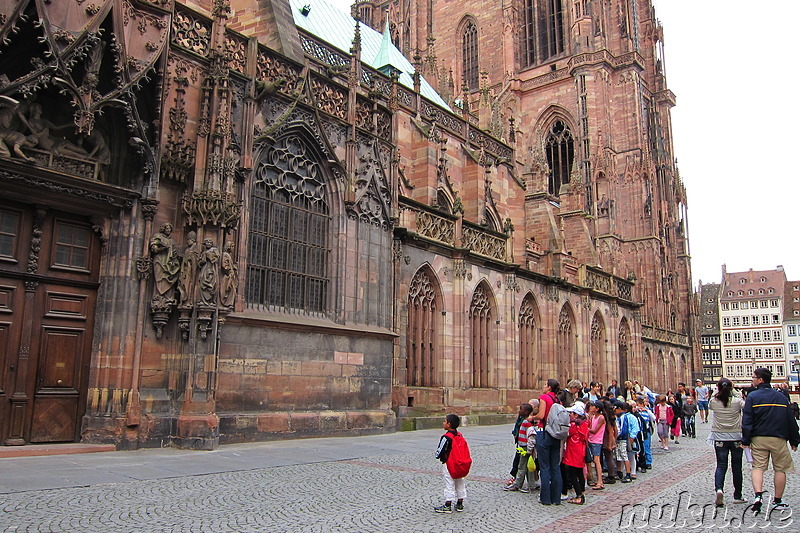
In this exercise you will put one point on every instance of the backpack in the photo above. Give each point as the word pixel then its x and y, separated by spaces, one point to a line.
pixel 558 422
pixel 459 461
pixel 624 433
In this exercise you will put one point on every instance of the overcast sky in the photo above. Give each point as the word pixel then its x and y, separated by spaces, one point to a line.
pixel 735 127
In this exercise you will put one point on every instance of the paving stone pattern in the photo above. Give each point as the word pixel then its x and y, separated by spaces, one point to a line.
pixel 386 483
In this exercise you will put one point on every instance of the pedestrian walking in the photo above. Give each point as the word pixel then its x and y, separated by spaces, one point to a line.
pixel 767 425
pixel 726 434
pixel 689 412
pixel 702 394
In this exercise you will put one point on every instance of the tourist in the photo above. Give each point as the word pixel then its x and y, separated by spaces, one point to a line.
pixel 597 432
pixel 689 412
pixel 595 391
pixel 548 449
pixel 726 434
pixel 664 418
pixel 453 487
pixel 767 425
pixel 702 394
pixel 524 412
pixel 523 434
pixel 614 389
pixel 628 431
pixel 575 452
pixel 610 443
pixel 677 412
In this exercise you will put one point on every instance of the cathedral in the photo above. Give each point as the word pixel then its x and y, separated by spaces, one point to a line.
pixel 238 220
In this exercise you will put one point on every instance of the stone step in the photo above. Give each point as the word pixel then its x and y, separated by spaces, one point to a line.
pixel 34 450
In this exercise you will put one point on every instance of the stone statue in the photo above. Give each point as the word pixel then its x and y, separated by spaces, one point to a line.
pixel 188 274
pixel 166 264
pixel 208 275
pixel 41 127
pixel 229 283
pixel 12 142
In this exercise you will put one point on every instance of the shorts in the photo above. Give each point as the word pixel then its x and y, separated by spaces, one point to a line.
pixel 596 449
pixel 621 451
pixel 702 405
pixel 764 448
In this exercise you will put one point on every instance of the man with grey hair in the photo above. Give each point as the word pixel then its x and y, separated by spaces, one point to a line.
pixel 568 394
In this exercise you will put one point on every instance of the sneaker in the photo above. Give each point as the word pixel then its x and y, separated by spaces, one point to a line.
pixel 627 479
pixel 755 507
pixel 443 509
pixel 609 480
pixel 718 499
pixel 524 491
pixel 511 488
pixel 537 486
pixel 738 499
pixel 781 506
pixel 460 507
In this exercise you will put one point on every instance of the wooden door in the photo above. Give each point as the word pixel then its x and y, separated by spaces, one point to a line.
pixel 49 268
pixel 62 345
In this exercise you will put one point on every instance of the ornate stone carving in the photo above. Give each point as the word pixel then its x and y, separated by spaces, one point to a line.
pixel 459 268
pixel 211 207
pixel 144 266
pixel 191 32
pixel 483 243
pixel 435 227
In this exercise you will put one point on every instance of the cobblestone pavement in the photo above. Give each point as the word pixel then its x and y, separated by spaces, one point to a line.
pixel 386 483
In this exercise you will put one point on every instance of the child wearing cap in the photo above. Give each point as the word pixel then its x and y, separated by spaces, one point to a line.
pixel 575 453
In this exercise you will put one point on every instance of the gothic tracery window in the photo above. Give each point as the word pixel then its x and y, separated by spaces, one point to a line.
pixel 598 348
pixel 289 231
pixel 624 333
pixel 527 345
pixel 469 52
pixel 560 151
pixel 480 312
pixel 566 344
pixel 543 31
pixel 421 332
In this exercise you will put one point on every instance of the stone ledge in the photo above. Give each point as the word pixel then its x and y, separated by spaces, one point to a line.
pixel 412 423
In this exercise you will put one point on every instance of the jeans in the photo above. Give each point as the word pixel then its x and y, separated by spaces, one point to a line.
pixel 548 454
pixel 648 454
pixel 722 448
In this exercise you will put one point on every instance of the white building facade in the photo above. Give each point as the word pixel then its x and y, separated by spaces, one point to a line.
pixel 752 327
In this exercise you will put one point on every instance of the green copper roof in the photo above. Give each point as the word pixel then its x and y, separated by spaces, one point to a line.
pixel 337 28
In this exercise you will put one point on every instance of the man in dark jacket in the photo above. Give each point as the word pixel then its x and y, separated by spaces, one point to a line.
pixel 767 425
pixel 615 389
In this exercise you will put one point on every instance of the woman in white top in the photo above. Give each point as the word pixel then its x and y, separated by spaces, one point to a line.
pixel 726 433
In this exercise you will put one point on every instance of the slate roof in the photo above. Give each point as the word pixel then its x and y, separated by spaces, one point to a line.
pixel 337 28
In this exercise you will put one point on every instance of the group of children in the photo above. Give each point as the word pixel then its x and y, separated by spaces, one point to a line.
pixel 606 434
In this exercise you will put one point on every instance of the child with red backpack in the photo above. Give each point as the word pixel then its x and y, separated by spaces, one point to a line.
pixel 453 452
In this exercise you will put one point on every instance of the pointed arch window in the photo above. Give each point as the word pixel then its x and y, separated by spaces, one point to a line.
pixel 527 345
pixel 566 344
pixel 543 31
pixel 560 151
pixel 482 324
pixel 624 333
pixel 421 332
pixel 598 348
pixel 469 52
pixel 289 234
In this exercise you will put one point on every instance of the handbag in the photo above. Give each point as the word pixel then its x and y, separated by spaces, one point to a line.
pixel 588 456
